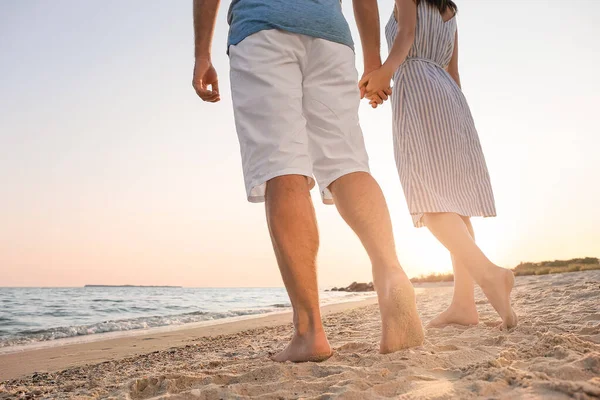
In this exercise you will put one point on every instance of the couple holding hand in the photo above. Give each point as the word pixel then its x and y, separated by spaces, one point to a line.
pixel 295 99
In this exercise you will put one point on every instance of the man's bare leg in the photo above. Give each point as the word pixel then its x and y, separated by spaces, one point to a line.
pixel 496 282
pixel 295 238
pixel 462 310
pixel 361 203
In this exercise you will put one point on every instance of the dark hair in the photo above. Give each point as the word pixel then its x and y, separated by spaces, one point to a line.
pixel 441 5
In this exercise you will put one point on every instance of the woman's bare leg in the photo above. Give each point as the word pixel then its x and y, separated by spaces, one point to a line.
pixel 496 282
pixel 462 310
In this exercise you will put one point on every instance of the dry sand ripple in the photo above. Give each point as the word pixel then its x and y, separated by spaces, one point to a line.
pixel 554 353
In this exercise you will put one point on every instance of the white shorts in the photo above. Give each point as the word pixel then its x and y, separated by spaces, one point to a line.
pixel 295 101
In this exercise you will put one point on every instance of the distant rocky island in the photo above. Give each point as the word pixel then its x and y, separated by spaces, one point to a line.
pixel 129 286
pixel 355 287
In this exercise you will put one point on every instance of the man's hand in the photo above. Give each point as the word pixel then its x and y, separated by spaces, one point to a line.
pixel 378 98
pixel 366 13
pixel 205 76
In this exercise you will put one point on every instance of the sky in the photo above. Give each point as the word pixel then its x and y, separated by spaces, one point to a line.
pixel 113 171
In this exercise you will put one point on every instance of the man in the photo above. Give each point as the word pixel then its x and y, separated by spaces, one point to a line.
pixel 295 99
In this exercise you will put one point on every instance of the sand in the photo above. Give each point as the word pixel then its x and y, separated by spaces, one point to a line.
pixel 554 353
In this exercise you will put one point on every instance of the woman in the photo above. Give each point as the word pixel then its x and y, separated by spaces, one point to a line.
pixel 439 158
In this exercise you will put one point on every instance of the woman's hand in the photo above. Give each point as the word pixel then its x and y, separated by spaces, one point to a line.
pixel 376 86
pixel 379 98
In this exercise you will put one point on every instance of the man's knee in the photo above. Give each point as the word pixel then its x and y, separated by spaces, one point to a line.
pixel 290 184
pixel 352 179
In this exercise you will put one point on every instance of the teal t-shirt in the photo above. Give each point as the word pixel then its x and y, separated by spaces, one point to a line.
pixel 318 18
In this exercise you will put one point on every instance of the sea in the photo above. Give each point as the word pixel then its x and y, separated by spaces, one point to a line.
pixel 51 316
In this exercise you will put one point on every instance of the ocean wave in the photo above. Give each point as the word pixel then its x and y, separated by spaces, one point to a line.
pixel 107 301
pixel 6 322
pixel 39 335
pixel 67 314
pixel 281 305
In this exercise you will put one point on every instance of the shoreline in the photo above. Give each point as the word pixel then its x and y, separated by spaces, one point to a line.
pixel 114 334
pixel 65 353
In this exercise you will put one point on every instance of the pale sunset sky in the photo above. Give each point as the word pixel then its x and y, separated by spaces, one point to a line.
pixel 113 171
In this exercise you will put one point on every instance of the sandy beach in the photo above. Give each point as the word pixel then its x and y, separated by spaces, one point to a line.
pixel 554 353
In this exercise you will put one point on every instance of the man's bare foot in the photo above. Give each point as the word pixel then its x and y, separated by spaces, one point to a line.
pixel 456 314
pixel 497 285
pixel 306 347
pixel 401 326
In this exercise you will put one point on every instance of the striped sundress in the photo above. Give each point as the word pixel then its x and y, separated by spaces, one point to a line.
pixel 436 146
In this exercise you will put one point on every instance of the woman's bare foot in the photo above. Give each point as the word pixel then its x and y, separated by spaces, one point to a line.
pixel 306 347
pixel 456 314
pixel 401 325
pixel 497 285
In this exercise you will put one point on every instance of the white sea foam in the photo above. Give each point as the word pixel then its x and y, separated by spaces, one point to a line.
pixel 31 316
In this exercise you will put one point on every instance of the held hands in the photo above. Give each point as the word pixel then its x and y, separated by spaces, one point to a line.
pixel 205 76
pixel 375 85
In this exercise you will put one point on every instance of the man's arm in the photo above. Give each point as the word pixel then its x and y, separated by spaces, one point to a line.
pixel 366 13
pixel 205 16
pixel 406 14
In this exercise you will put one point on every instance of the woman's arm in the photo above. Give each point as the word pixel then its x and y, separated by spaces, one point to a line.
pixel 453 66
pixel 406 16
